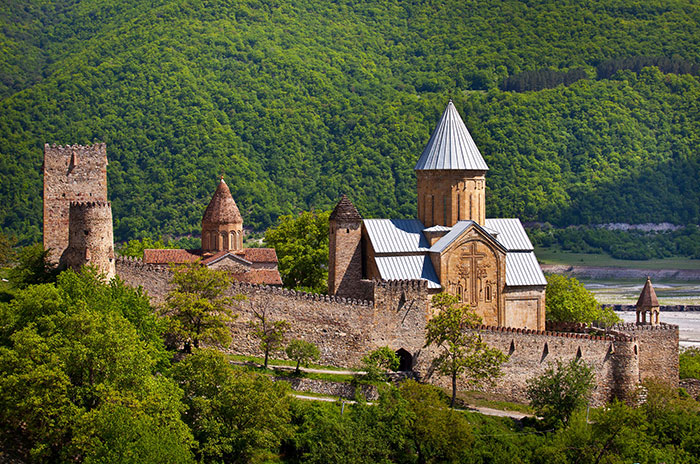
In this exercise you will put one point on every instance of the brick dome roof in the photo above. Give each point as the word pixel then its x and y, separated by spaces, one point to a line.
pixel 222 209
pixel 345 210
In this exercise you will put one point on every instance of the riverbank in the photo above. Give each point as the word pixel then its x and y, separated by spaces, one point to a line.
pixel 604 273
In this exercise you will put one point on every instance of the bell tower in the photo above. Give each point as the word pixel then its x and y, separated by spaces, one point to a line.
pixel 451 175
pixel 222 223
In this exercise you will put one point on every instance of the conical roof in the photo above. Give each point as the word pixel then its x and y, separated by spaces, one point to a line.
pixel 451 146
pixel 222 209
pixel 345 210
pixel 647 298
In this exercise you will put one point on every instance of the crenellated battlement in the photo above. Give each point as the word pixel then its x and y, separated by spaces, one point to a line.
pixel 53 146
pixel 245 287
pixel 397 285
pixel 548 333
pixel 90 204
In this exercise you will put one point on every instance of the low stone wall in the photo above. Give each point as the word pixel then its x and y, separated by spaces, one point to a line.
pixel 327 387
pixel 692 386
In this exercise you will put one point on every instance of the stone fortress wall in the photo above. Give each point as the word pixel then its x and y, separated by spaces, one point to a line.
pixel 90 239
pixel 396 315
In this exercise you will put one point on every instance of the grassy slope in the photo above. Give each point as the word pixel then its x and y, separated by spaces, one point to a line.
pixel 299 102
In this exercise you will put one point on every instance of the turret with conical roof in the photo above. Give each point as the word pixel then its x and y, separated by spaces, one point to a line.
pixel 451 175
pixel 222 223
pixel 648 302
pixel 345 249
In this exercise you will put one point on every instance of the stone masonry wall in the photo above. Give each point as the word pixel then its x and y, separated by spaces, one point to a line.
pixel 531 352
pixel 658 351
pixel 71 173
pixel 346 329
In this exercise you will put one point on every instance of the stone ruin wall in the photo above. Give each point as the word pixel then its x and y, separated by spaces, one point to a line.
pixel 345 330
pixel 71 173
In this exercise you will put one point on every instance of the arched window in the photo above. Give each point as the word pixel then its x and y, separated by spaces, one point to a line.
pixel 459 293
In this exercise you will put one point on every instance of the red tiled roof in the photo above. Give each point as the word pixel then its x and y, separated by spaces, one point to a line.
pixel 167 256
pixel 258 255
pixel 259 276
pixel 179 256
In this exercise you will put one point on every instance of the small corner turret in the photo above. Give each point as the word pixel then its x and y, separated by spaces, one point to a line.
pixel 648 303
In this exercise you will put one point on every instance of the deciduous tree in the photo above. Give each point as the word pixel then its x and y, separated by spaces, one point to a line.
pixel 302 352
pixel 461 352
pixel 198 307
pixel 269 332
pixel 560 390
pixel 301 243
pixel 568 300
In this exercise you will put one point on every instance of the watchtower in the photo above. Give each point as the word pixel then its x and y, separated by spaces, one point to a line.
pixel 648 302
pixel 71 173
pixel 345 249
pixel 90 238
pixel 451 175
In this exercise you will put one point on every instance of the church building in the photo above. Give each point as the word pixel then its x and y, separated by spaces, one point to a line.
pixel 488 263
pixel 222 245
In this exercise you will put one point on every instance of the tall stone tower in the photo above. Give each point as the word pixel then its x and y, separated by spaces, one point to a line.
pixel 71 173
pixel 648 303
pixel 90 238
pixel 451 175
pixel 345 250
pixel 222 223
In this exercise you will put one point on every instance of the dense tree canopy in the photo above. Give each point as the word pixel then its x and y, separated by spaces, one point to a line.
pixel 299 102
pixel 568 300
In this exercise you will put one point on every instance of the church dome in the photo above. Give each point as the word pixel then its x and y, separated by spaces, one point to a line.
pixel 222 208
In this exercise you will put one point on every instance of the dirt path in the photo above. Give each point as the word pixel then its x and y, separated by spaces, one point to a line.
pixel 478 409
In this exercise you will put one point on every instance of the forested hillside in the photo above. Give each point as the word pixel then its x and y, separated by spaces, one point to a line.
pixel 299 102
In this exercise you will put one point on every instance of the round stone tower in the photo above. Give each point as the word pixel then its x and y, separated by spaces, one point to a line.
pixel 90 237
pixel 222 223
pixel 451 175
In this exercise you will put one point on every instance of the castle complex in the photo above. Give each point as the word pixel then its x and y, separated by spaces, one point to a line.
pixel 382 273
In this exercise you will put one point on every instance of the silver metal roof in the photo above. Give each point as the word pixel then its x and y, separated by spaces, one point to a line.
pixel 396 235
pixel 407 267
pixel 451 146
pixel 438 228
pixel 456 231
pixel 511 234
pixel 522 269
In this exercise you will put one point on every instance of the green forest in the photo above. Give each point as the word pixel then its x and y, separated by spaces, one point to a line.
pixel 586 112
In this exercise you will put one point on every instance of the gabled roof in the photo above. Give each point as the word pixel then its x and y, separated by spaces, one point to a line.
pixel 222 209
pixel 345 210
pixel 215 258
pixel 451 146
pixel 407 267
pixel 522 269
pixel 647 298
pixel 456 232
pixel 179 256
pixel 511 234
pixel 396 235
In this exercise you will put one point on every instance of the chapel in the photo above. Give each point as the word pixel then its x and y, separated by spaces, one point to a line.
pixel 222 245
pixel 488 263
